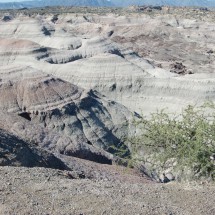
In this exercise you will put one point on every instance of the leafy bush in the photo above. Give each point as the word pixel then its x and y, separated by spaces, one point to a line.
pixel 186 140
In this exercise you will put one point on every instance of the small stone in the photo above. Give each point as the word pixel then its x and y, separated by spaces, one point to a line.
pixel 170 176
pixel 163 178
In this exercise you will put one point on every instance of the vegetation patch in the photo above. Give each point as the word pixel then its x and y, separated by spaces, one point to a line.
pixel 184 143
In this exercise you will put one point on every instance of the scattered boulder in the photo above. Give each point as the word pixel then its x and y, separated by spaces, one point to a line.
pixel 212 157
pixel 7 18
pixel 179 69
pixel 110 33
pixel 210 51
pixel 170 176
pixel 55 18
pixel 163 178
pixel 166 177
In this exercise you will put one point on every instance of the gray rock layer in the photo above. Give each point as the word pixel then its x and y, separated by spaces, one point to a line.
pixel 16 152
pixel 61 117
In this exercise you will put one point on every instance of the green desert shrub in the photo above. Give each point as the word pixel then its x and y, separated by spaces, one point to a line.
pixel 187 140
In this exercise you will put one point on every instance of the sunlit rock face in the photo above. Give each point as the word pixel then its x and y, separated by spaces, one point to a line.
pixel 128 58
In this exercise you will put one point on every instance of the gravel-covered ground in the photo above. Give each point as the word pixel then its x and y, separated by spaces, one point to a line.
pixel 46 191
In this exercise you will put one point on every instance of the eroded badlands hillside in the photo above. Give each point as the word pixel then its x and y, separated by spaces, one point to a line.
pixel 143 60
pixel 72 80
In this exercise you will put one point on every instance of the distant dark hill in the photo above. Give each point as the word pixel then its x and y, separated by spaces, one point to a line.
pixel 44 3
pixel 200 3
pixel 71 3
pixel 109 3
pixel 14 5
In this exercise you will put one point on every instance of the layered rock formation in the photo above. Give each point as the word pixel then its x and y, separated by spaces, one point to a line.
pixel 72 83
pixel 128 59
pixel 90 121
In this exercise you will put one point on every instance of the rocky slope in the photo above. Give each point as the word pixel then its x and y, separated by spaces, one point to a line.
pixel 48 122
pixel 16 152
pixel 89 121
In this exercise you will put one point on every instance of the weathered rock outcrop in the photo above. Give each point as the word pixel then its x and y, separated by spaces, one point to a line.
pixel 61 117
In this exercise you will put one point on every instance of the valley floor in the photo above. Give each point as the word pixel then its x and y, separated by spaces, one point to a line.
pixel 46 191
